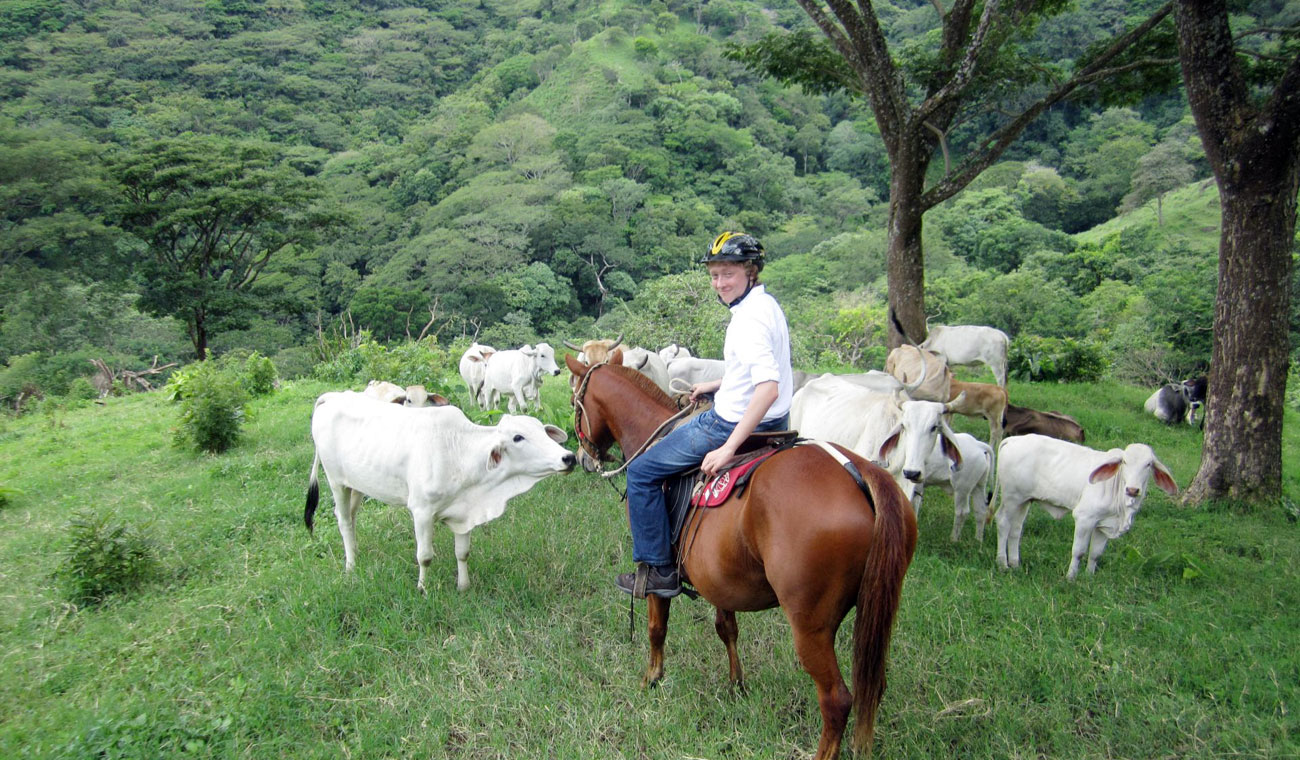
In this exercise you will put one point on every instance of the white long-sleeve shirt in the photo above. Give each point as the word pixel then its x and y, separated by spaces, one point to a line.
pixel 757 350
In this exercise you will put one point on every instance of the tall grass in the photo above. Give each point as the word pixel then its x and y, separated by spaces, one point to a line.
pixel 253 643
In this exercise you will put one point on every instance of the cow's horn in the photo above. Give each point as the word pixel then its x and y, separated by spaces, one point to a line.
pixel 570 345
pixel 617 341
pixel 924 369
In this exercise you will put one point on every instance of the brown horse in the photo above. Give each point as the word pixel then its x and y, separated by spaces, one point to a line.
pixel 803 536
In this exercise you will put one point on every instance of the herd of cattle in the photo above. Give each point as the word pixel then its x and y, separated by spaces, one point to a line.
pixel 445 468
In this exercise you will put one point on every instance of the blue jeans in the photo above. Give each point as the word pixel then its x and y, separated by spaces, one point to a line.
pixel 680 450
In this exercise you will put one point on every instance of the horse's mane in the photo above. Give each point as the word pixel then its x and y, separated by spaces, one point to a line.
pixel 645 384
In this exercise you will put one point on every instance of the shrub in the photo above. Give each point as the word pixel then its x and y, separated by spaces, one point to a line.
pixel 259 375
pixel 104 557
pixel 1062 360
pixel 8 495
pixel 82 389
pixel 212 407
pixel 408 363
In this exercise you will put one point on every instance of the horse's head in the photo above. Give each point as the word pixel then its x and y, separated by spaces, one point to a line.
pixel 589 418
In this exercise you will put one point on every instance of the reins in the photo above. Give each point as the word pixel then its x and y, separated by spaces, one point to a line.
pixel 582 427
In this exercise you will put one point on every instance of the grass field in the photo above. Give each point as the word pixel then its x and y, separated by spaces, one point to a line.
pixel 255 644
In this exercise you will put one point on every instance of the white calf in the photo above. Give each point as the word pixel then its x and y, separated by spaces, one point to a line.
pixel 1102 489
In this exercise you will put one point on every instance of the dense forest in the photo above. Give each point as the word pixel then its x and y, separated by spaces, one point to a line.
pixel 184 177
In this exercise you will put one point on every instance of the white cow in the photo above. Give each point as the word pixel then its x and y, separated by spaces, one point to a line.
pixel 895 433
pixel 434 461
pixel 1103 490
pixel 691 370
pixel 518 373
pixel 971 344
pixel 382 390
pixel 672 351
pixel 967 484
pixel 649 364
pixel 473 368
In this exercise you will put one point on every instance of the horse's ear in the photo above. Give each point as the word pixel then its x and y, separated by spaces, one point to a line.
pixel 576 367
pixel 616 357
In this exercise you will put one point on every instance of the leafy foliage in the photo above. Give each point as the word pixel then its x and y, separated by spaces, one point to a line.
pixel 1065 360
pixel 212 407
pixel 104 557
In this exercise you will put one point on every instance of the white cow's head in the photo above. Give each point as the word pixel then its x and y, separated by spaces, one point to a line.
pixel 920 426
pixel 546 359
pixel 526 446
pixel 1131 469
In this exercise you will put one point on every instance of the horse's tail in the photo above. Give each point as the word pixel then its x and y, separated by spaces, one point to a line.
pixel 878 597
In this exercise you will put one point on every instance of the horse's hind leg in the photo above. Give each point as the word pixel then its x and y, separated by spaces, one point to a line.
pixel 816 650
pixel 728 631
pixel 657 625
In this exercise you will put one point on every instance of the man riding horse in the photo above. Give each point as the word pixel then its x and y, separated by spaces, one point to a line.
pixel 753 395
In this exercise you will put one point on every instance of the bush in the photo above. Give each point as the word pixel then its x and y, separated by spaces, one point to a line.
pixel 103 558
pixel 1063 360
pixel 259 375
pixel 408 363
pixel 82 389
pixel 212 407
pixel 8 495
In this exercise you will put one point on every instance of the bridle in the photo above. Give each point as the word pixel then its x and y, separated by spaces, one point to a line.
pixel 582 427
pixel 582 423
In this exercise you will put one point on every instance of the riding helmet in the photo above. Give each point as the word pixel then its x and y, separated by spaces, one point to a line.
pixel 734 246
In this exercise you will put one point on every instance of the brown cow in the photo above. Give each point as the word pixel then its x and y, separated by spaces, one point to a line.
pixel 1022 420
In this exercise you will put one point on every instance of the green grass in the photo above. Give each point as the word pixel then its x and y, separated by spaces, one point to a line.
pixel 257 645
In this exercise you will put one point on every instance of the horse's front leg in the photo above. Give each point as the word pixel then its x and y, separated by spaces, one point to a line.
pixel 657 624
pixel 728 631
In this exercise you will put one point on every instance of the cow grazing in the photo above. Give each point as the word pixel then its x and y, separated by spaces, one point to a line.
pixel 895 433
pixel 962 345
pixel 982 400
pixel 1102 489
pixel 1022 420
pixel 1171 404
pixel 418 396
pixel 434 461
pixel 1197 388
pixel 473 369
pixel 382 390
pixel 518 374
pixel 910 364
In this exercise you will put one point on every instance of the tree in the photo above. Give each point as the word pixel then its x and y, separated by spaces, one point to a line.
pixel 1158 172
pixel 920 97
pixel 209 213
pixel 1248 113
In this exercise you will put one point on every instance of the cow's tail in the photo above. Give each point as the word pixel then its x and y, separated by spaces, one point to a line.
pixel 878 597
pixel 997 491
pixel 313 494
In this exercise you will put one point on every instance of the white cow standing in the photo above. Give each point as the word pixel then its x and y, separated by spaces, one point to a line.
pixel 473 368
pixel 649 364
pixel 432 460
pixel 1102 489
pixel 691 370
pixel 895 433
pixel 971 344
pixel 672 352
pixel 967 484
pixel 518 373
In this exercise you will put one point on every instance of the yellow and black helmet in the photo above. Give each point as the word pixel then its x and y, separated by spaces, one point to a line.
pixel 734 246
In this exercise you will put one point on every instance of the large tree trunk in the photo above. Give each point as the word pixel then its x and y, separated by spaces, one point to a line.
pixel 905 271
pixel 1242 458
pixel 1253 145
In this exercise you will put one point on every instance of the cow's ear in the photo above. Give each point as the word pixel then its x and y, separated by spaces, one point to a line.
pixel 438 400
pixel 556 434
pixel 474 358
pixel 891 441
pixel 495 456
pixel 950 450
pixel 1105 471
pixel 1164 479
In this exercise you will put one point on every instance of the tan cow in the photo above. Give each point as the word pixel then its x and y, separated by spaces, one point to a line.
pixel 909 363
